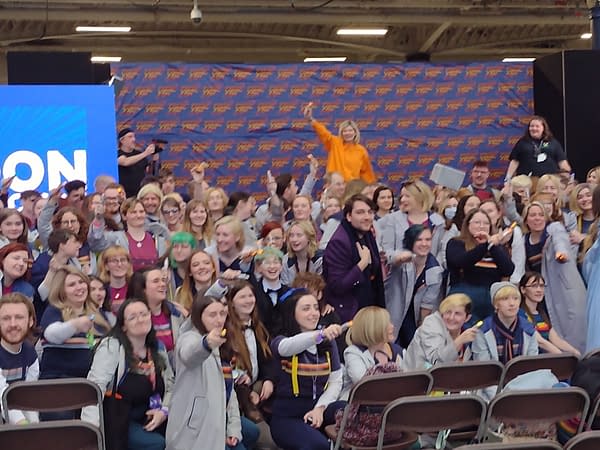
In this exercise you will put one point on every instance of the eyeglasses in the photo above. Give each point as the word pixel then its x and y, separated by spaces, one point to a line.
pixel 536 285
pixel 170 212
pixel 117 261
pixel 142 315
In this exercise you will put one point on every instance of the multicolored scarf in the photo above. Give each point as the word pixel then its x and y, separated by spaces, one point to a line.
pixel 147 368
pixel 509 341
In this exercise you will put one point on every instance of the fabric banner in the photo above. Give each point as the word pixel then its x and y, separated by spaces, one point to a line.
pixel 245 119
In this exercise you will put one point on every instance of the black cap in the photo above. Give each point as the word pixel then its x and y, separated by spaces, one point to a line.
pixel 124 131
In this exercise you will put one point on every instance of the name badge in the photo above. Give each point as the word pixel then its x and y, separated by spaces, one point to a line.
pixel 541 157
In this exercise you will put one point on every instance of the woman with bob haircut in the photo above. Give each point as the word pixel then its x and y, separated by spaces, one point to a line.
pixel 204 412
pixel 416 201
pixel 115 270
pixel 303 254
pixel 229 246
pixel 370 342
pixel 442 337
pixel 13 227
pixel 215 200
pixel 132 370
pixel 345 155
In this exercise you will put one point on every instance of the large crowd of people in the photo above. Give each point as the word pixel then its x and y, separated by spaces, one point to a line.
pixel 211 322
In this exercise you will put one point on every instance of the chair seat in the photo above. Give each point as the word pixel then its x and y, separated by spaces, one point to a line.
pixel 407 440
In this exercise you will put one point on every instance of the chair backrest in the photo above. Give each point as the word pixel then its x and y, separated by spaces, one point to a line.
pixel 590 440
pixel 591 354
pixel 51 395
pixel 534 445
pixel 562 366
pixel 424 414
pixel 465 376
pixel 381 389
pixel 55 435
pixel 533 406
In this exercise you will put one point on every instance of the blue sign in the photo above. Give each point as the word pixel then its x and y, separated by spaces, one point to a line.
pixel 51 134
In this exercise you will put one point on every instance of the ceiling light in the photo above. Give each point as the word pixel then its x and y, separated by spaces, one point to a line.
pixel 327 59
pixel 104 59
pixel 586 36
pixel 362 31
pixel 518 60
pixel 103 29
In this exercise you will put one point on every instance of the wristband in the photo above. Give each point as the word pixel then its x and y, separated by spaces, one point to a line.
pixel 320 337
pixel 165 411
pixel 205 344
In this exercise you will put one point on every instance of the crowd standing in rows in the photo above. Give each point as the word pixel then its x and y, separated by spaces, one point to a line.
pixel 211 323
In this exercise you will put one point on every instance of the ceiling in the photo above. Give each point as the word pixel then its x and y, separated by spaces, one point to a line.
pixel 286 31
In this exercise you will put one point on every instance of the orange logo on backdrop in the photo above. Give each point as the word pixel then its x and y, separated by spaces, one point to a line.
pixel 221 107
pixel 474 104
pixel 265 107
pixel 391 72
pixel 472 72
pixel 258 163
pixel 169 164
pixel 374 143
pixel 246 180
pixel 165 91
pixel 152 74
pixel 223 147
pixel 330 107
pixel 190 124
pixel 424 88
pixel 167 125
pixel 241 74
pixel 404 89
pixel 188 91
pixel 287 107
pixel 414 144
pixel 435 142
pixel 444 122
pixel 475 141
pixel 395 177
pixel 255 91
pixel 327 74
pixel 143 91
pixel 266 145
pixel 414 105
pixel 196 74
pixel 492 72
pixel 342 89
pixel 393 144
pixel 299 124
pixel 364 123
pixel 216 163
pixel 242 108
pixel 130 74
pixel 405 160
pixel 198 108
pixel 495 141
pixel 393 106
pixel 412 72
pixel 466 158
pixel 201 147
pixel 446 158
pixel 426 159
pixel 305 74
pixel 485 121
pixel 236 163
pixel 218 74
pixel 177 108
pixel 434 105
pixel 513 103
pixel 385 161
pixel 418 173
pixel 350 72
pixel 452 72
pixel 319 91
pixel 351 107
pixel 173 74
pixel 278 163
pixel 145 125
pixel 424 122
pixel 504 121
pixel 212 125
pixel 224 180
pixel 523 88
pixel 384 89
pixel 287 146
pixel 232 91
pixel 310 146
pixel 278 124
pixel 494 104
pixel 284 74
pixel 372 106
pixel 244 147
pixel 513 71
pixel 484 88
pixel 405 123
pixel 444 88
pixel 456 142
pixel 153 108
pixel 234 125
pixel 298 91
pixel 454 105
pixel 505 87
pixel 255 125
pixel 465 88
pixel 371 72
pixel 299 163
pixel 131 109
pixel 277 91
pixel 177 147
pixel 433 72
pixel 363 89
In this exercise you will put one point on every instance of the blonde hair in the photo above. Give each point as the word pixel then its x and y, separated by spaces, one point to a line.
pixel 236 228
pixel 309 230
pixel 130 203
pixel 221 192
pixel 369 327
pixel 539 188
pixel 150 188
pixel 421 192
pixel 505 292
pixel 456 301
pixel 112 252
pixel 573 205
pixel 58 298
pixel 526 213
pixel 521 181
pixel 350 123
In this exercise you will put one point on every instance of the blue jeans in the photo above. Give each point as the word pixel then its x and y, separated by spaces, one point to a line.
pixel 250 434
pixel 140 439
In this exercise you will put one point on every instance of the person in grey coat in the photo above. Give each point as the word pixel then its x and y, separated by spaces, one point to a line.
pixel 413 288
pixel 440 338
pixel 204 411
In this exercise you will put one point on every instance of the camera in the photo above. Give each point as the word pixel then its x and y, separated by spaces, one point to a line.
pixel 159 145
pixel 196 15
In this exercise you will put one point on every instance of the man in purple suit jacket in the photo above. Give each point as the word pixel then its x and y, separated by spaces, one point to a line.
pixel 351 264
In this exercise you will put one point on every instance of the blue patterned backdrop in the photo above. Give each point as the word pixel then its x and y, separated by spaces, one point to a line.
pixel 245 119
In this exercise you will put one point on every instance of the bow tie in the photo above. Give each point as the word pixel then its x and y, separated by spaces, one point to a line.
pixel 272 291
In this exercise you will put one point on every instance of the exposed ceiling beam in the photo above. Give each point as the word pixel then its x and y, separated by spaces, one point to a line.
pixel 434 36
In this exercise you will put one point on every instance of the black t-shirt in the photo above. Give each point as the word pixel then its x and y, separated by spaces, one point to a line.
pixel 131 176
pixel 537 157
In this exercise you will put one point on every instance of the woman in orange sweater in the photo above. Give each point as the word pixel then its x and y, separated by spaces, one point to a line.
pixel 345 154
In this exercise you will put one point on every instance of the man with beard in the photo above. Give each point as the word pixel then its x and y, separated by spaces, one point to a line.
pixel 351 264
pixel 18 358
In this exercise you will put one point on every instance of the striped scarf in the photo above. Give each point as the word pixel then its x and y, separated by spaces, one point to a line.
pixel 509 341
